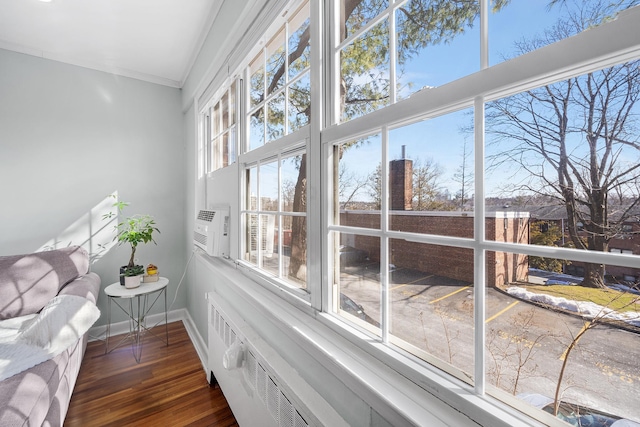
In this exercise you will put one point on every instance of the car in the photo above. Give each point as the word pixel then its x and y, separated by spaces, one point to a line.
pixel 355 309
pixel 577 415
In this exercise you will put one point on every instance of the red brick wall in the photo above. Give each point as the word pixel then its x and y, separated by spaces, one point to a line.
pixel 446 261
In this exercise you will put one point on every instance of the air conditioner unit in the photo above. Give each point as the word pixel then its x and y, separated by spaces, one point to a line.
pixel 211 232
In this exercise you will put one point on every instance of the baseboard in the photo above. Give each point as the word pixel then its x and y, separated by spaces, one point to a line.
pixel 197 341
pixel 98 333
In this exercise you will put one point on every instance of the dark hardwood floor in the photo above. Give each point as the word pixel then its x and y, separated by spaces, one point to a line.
pixel 168 387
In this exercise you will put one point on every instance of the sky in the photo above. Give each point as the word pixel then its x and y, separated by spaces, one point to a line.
pixel 441 139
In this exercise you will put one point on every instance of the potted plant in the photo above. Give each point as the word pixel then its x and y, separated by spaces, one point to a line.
pixel 133 230
pixel 132 276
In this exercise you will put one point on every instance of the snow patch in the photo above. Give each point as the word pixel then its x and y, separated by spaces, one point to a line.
pixel 586 309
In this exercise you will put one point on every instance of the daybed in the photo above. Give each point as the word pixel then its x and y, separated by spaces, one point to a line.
pixel 47 304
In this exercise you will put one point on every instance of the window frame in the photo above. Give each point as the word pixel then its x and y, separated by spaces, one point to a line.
pixel 527 71
pixel 298 140
pixel 211 148
pixel 530 70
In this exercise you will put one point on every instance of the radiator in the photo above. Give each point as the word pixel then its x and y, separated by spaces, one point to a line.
pixel 259 390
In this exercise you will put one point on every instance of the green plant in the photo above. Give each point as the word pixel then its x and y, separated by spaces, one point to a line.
pixel 136 270
pixel 133 230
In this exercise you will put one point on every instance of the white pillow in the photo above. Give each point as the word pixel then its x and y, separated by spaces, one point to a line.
pixel 60 323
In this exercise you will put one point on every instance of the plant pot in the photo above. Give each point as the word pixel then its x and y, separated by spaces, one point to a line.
pixel 131 282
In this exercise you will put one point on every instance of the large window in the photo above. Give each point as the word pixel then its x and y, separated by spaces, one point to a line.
pixel 477 206
pixel 501 276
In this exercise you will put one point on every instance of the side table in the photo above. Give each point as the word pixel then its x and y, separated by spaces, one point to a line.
pixel 137 312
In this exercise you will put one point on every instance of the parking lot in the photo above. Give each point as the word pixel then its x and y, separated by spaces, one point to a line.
pixel 526 344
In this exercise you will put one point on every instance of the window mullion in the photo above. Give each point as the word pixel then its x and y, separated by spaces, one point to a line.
pixel 316 271
pixel 479 251
pixel 392 55
pixel 384 243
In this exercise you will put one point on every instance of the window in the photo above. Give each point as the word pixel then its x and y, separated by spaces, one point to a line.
pixel 275 218
pixel 274 226
pixel 219 121
pixel 280 87
pixel 467 202
pixel 437 255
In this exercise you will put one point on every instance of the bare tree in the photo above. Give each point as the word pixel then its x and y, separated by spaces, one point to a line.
pixel 464 176
pixel 513 356
pixel 426 184
pixel 577 140
pixel 349 185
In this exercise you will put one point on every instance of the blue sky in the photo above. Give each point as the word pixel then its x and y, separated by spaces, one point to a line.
pixel 441 139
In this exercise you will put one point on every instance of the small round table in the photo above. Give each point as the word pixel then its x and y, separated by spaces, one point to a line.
pixel 137 317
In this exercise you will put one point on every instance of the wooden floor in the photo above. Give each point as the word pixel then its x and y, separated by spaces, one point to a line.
pixel 167 388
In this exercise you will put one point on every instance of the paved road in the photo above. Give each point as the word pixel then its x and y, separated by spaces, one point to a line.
pixel 525 344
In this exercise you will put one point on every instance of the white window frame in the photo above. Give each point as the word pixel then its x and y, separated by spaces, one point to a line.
pixel 580 54
pixel 211 154
pixel 299 140
pixel 588 51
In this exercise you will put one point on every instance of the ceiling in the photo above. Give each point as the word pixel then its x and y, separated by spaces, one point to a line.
pixel 152 40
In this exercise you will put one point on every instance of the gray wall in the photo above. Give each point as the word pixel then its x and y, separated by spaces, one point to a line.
pixel 69 137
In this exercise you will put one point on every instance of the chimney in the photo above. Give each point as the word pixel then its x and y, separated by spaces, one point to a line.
pixel 401 183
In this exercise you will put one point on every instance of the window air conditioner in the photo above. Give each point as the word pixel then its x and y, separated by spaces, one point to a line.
pixel 211 232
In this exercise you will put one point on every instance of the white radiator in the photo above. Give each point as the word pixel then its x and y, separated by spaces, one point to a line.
pixel 259 390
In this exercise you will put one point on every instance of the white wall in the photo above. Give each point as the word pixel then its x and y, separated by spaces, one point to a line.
pixel 69 137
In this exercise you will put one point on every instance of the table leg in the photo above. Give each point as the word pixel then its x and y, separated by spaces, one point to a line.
pixel 166 326
pixel 108 331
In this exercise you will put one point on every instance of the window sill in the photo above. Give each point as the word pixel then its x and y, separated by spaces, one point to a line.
pixel 349 354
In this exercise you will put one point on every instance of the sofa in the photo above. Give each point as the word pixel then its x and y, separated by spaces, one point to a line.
pixel 47 305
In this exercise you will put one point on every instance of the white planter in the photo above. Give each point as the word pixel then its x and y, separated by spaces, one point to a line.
pixel 132 281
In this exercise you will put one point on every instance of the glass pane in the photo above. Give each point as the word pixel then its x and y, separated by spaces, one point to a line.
pixel 216 159
pixel 431 290
pixel 256 84
pixel 523 26
pixel 546 335
pixel 364 66
pixel 431 177
pixel 294 184
pixel 251 239
pixel 232 145
pixel 252 189
pixel 299 103
pixel 275 118
pixel 568 154
pixel 294 250
pixel 215 120
pixel 208 158
pixel 275 63
pixel 437 42
pixel 225 149
pixel 232 104
pixel 357 182
pixel 269 244
pixel 256 138
pixel 357 274
pixel 269 186
pixel 224 111
pixel 299 42
pixel 356 14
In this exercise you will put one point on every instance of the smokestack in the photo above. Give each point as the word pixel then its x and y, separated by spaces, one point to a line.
pixel 401 182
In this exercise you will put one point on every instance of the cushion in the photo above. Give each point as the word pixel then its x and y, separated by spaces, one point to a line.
pixel 29 281
pixel 60 323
